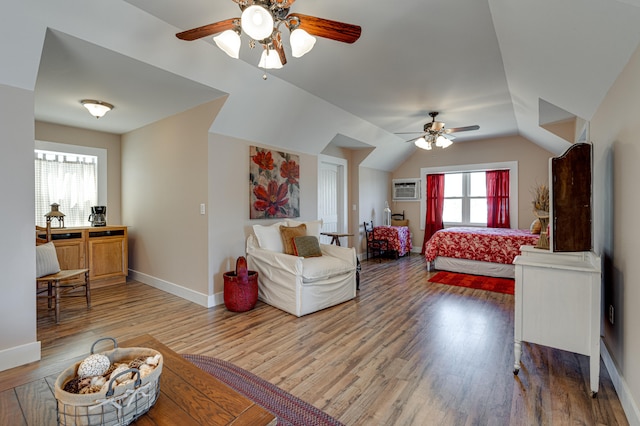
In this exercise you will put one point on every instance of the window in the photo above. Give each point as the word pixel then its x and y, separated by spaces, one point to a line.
pixel 71 177
pixel 475 195
pixel 465 199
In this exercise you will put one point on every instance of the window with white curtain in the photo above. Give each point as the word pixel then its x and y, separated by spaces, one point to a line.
pixel 465 199
pixel 68 179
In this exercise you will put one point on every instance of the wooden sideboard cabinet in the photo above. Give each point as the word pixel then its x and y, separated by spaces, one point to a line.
pixel 557 304
pixel 103 250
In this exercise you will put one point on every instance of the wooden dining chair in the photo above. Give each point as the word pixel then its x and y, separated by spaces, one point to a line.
pixel 375 247
pixel 51 279
pixel 397 219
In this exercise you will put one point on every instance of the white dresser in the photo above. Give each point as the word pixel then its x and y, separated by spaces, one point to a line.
pixel 557 304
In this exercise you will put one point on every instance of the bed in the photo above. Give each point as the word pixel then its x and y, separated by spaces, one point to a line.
pixel 478 251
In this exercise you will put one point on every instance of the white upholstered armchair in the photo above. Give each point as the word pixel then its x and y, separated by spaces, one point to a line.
pixel 300 285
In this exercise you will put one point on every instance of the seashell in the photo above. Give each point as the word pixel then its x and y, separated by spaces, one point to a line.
pixel 153 360
pixel 98 381
pixel 119 369
pixel 90 389
pixel 136 363
pixel 145 370
pixel 72 385
pixel 110 370
pixel 94 365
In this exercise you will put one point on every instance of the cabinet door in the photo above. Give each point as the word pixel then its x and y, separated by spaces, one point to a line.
pixel 70 249
pixel 107 257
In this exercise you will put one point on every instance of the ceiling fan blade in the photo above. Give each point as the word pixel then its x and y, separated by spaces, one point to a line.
pixel 407 133
pixel 207 30
pixel 334 30
pixel 415 139
pixel 462 129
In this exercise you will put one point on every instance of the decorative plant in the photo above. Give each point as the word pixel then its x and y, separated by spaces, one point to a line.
pixel 540 197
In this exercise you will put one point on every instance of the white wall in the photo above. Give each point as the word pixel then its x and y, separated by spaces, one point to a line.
pixel 18 343
pixel 374 190
pixel 164 175
pixel 615 133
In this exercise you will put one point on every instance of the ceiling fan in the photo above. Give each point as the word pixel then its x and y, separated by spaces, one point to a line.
pixel 434 132
pixel 262 21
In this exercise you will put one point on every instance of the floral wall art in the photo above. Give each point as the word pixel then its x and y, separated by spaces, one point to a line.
pixel 274 184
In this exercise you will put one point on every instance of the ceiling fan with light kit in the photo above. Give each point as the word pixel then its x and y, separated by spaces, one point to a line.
pixel 434 133
pixel 263 20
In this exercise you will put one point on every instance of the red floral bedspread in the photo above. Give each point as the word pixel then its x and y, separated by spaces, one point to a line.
pixel 496 245
pixel 398 238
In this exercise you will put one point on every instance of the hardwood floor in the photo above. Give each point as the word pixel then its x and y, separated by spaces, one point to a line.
pixel 404 352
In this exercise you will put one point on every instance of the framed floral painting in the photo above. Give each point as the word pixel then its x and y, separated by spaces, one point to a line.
pixel 274 184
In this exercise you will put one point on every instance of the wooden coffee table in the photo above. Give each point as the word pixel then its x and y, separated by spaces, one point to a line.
pixel 191 396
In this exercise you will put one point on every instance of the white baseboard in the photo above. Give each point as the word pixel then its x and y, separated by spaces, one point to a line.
pixel 619 383
pixel 19 355
pixel 208 301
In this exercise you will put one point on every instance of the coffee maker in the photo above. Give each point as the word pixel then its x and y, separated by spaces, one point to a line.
pixel 98 216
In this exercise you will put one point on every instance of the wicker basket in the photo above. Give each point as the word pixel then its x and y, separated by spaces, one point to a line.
pixel 117 405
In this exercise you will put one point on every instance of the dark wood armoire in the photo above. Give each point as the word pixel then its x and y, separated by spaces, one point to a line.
pixel 571 199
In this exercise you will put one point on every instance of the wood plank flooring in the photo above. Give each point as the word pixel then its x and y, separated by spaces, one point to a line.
pixel 404 352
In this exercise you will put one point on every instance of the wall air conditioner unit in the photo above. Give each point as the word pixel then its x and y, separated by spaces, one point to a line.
pixel 406 189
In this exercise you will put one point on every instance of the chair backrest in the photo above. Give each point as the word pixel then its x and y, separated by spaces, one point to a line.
pixel 368 227
pixel 398 216
pixel 397 219
pixel 43 235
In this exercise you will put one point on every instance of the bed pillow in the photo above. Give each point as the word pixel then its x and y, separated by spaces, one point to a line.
pixel 288 233
pixel 306 246
pixel 269 236
pixel 313 226
pixel 46 260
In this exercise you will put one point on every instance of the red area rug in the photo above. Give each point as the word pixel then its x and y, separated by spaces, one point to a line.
pixel 499 285
pixel 289 410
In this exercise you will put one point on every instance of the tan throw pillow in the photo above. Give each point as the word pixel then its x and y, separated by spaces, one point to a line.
pixel 535 227
pixel 398 222
pixel 288 233
pixel 313 226
pixel 307 246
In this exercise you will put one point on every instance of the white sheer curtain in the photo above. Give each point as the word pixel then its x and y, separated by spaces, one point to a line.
pixel 69 180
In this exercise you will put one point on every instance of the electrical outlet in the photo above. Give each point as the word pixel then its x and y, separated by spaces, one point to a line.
pixel 203 209
pixel 611 314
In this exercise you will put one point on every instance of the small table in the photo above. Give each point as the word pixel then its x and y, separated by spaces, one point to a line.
pixel 335 236
pixel 189 395
pixel 398 238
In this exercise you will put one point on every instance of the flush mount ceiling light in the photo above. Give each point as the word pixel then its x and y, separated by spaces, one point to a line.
pixel 96 108
pixel 262 20
pixel 434 133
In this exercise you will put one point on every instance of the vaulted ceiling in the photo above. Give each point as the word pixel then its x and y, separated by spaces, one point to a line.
pixel 484 62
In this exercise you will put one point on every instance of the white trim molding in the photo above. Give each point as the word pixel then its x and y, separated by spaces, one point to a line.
pixel 208 301
pixel 620 384
pixel 19 355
